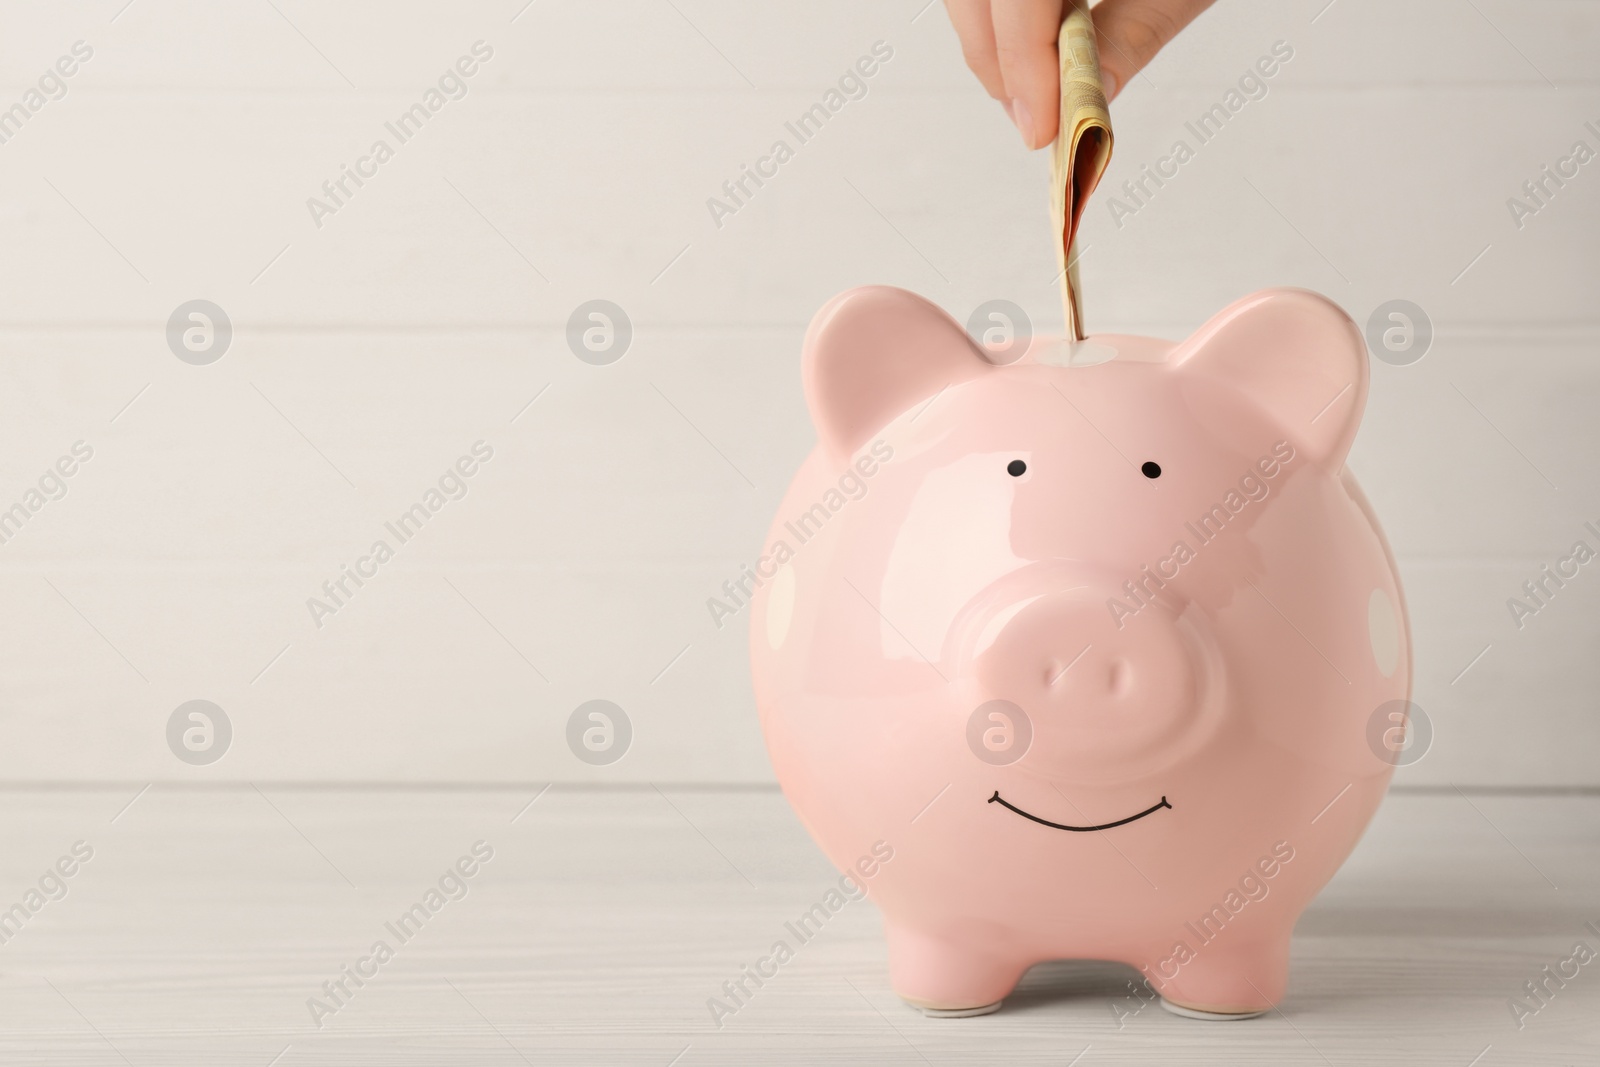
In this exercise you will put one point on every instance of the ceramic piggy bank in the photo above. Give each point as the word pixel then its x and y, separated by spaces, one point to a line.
pixel 1090 655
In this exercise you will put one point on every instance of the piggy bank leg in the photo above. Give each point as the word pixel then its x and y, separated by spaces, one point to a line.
pixel 946 977
pixel 1227 980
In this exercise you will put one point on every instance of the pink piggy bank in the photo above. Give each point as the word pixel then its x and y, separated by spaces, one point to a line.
pixel 1084 656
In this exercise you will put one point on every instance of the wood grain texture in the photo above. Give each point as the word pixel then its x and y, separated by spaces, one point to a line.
pixel 579 564
pixel 426 314
pixel 606 919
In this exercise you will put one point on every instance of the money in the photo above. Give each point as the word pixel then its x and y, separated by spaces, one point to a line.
pixel 1081 151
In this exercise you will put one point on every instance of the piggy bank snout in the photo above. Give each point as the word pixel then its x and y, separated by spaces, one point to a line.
pixel 1106 695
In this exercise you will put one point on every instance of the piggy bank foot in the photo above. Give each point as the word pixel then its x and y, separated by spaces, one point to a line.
pixel 957 1013
pixel 948 978
pixel 1220 980
pixel 1216 1016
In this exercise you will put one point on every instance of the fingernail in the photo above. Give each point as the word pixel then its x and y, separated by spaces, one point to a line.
pixel 1023 118
pixel 1109 82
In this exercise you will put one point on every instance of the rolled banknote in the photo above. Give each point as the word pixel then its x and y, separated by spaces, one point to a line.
pixel 1081 151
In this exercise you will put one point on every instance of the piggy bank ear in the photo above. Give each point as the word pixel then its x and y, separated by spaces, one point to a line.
pixel 1297 357
pixel 872 354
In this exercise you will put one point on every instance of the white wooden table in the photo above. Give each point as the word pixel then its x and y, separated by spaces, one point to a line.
pixel 207 918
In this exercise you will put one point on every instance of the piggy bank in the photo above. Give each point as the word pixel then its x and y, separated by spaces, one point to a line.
pixel 1095 654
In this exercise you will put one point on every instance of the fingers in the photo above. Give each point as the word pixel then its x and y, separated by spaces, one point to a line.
pixel 1129 33
pixel 975 26
pixel 1025 33
pixel 1011 46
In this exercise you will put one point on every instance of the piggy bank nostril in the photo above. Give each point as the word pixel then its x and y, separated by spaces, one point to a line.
pixel 1119 676
pixel 1057 674
pixel 1057 668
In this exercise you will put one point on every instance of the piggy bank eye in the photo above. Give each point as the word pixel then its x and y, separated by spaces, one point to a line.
pixel 1016 468
pixel 1151 470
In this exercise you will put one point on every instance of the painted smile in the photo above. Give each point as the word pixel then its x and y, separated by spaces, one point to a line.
pixel 1151 810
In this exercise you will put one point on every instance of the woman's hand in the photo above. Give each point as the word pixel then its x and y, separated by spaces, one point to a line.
pixel 1011 46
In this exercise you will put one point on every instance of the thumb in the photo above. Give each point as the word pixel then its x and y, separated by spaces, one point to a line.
pixel 1129 33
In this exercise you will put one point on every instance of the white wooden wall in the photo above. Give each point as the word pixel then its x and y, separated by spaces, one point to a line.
pixel 369 353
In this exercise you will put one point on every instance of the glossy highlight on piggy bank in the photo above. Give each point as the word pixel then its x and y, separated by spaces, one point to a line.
pixel 1096 650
